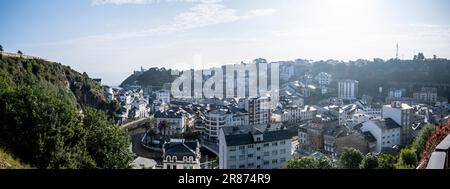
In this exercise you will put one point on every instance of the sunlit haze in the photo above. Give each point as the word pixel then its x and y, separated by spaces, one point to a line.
pixel 111 38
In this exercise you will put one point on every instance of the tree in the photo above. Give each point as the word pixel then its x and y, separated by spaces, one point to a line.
pixel 386 161
pixel 369 162
pixel 42 129
pixel 419 56
pixel 1 48
pixel 308 162
pixel 107 144
pixel 351 158
pixel 407 159
pixel 421 140
pixel 19 52
pixel 151 134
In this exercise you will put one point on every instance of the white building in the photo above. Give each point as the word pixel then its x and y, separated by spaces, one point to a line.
pixel 181 154
pixel 323 78
pixel 426 94
pixel 401 113
pixel 298 114
pixel 259 110
pixel 163 96
pixel 396 93
pixel 385 131
pixel 348 89
pixel 214 120
pixel 176 120
pixel 248 147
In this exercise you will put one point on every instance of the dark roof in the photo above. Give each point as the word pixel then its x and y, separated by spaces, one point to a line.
pixel 337 131
pixel 181 149
pixel 168 114
pixel 387 123
pixel 369 137
pixel 236 137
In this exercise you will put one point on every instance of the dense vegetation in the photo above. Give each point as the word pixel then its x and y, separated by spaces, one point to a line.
pixel 7 161
pixel 154 77
pixel 372 74
pixel 54 117
pixel 353 159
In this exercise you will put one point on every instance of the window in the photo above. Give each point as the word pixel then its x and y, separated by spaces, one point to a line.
pixel 232 158
pixel 384 137
pixel 250 155
pixel 266 145
pixel 251 165
pixel 275 152
pixel 241 166
pixel 274 161
pixel 233 167
pixel 258 139
pixel 241 147
pixel 258 167
pixel 251 146
pixel 241 157
pixel 266 162
pixel 233 148
pixel 275 144
pixel 266 153
pixel 258 158
pixel 283 142
pixel 282 160
pixel 283 151
pixel 258 148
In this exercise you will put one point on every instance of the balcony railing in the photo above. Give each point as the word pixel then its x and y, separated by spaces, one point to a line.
pixel 440 158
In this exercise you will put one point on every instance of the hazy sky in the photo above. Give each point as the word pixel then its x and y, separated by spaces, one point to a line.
pixel 111 38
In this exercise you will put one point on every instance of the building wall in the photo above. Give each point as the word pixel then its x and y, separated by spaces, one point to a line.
pixel 185 163
pixel 269 155
pixel 348 89
pixel 401 116
pixel 177 125
pixel 375 131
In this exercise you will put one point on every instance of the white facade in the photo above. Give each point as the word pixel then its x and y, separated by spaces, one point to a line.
pixel 259 110
pixel 298 114
pixel 176 120
pixel 348 89
pixel 401 113
pixel 174 160
pixel 323 78
pixel 163 96
pixel 386 137
pixel 214 120
pixel 259 153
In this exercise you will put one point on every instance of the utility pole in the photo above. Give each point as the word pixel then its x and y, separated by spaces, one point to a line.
pixel 396 54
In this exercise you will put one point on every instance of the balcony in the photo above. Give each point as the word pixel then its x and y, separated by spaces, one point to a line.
pixel 440 158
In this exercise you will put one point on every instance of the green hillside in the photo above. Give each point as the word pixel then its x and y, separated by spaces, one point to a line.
pixel 54 117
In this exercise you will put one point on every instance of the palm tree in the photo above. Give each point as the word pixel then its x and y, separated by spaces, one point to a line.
pixel 151 133
pixel 163 125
